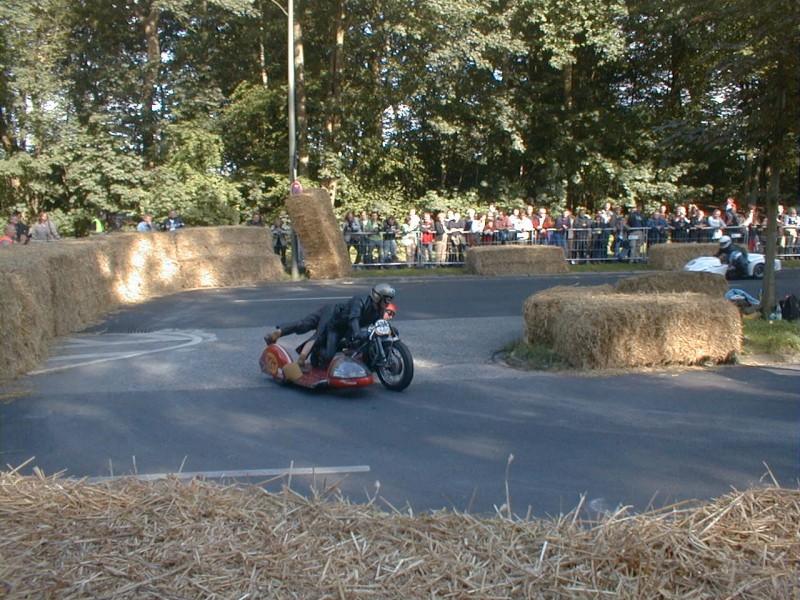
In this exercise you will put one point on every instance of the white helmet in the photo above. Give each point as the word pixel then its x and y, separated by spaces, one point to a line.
pixel 724 241
pixel 382 291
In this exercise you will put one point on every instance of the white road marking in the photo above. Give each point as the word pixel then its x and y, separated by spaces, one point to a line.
pixel 175 339
pixel 238 474
pixel 303 299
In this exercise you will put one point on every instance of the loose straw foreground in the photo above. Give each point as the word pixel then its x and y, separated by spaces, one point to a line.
pixel 127 538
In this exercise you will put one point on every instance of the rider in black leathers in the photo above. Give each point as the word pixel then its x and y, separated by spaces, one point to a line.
pixel 333 322
pixel 329 324
pixel 362 311
pixel 733 255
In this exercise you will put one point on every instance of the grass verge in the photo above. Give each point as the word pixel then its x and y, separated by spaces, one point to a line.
pixel 776 340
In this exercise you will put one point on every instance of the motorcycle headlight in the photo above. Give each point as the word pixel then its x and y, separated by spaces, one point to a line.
pixel 347 368
pixel 382 327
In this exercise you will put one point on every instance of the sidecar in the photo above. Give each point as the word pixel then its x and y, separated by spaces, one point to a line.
pixel 343 371
pixel 711 264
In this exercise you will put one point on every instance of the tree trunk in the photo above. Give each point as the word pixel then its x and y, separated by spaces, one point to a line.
pixel 568 97
pixel 262 48
pixel 768 300
pixel 151 72
pixel 334 97
pixel 300 96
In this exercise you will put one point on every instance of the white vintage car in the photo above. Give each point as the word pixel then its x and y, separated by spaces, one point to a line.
pixel 711 264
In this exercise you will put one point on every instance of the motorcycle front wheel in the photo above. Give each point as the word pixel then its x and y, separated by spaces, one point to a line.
pixel 398 370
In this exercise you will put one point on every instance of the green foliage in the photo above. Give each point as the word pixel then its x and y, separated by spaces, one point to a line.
pixel 439 104
pixel 253 129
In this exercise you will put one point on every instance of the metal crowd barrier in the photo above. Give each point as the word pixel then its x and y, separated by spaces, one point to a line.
pixel 580 246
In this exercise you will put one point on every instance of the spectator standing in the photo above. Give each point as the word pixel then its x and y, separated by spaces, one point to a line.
pixel 255 220
pixel 371 228
pixel 679 225
pixel 751 224
pixel 656 229
pixel 44 230
pixel 440 240
pixel 146 224
pixel 716 225
pixel 581 227
pixel 542 223
pixel 280 239
pixel 697 222
pixel 98 224
pixel 790 224
pixel 10 236
pixel 563 226
pixel 351 230
pixel 173 222
pixel 501 226
pixel 617 224
pixel 456 226
pixel 427 235
pixel 524 228
pixel 488 234
pixel 476 225
pixel 391 229
pixel 513 218
pixel 412 218
pixel 21 229
pixel 636 232
pixel 600 237
pixel 731 215
pixel 409 238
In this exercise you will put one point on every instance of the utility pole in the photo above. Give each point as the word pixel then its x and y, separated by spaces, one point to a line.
pixel 292 133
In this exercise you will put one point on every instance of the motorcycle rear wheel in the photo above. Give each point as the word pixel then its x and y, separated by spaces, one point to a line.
pixel 397 373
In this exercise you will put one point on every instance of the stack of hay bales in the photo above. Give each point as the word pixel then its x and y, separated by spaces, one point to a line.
pixel 56 289
pixel 515 260
pixel 649 320
pixel 326 255
pixel 670 257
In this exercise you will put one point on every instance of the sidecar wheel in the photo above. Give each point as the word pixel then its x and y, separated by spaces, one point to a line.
pixel 397 373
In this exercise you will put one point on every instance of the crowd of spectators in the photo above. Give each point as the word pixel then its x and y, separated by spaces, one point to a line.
pixel 610 233
pixel 45 230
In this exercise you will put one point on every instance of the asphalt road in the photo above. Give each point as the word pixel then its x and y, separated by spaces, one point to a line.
pixel 173 385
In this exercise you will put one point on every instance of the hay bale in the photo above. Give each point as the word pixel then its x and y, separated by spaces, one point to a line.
pixel 672 257
pixel 141 266
pixel 226 256
pixel 313 220
pixel 636 330
pixel 515 260
pixel 540 310
pixel 57 289
pixel 674 281
pixel 27 326
pixel 175 539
